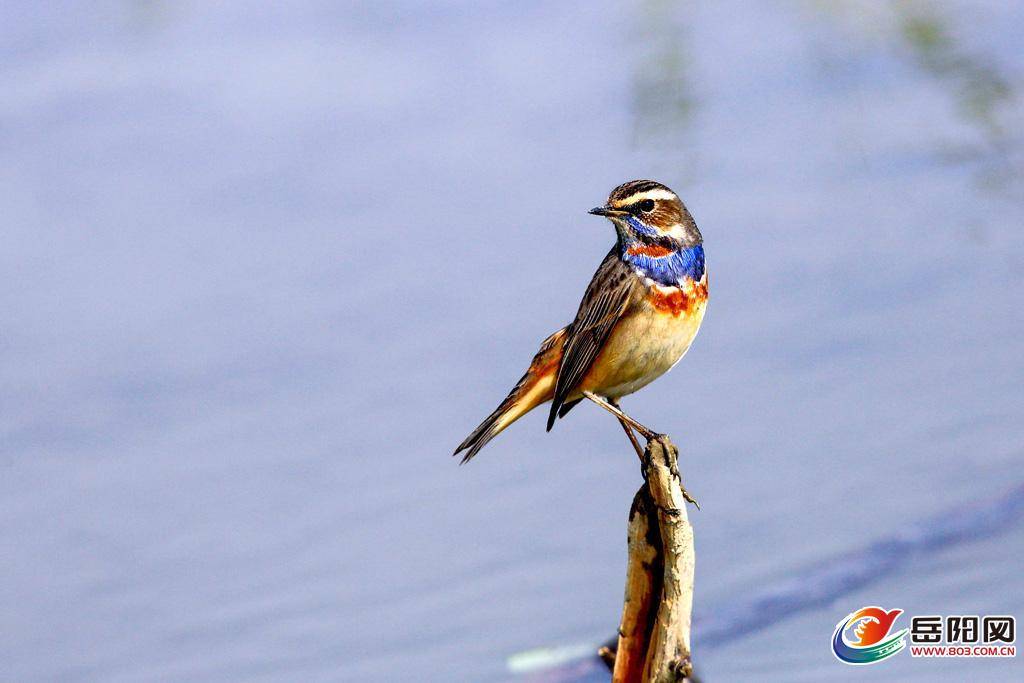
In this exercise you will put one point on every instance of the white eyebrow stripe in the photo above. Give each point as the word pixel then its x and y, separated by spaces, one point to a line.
pixel 652 194
pixel 649 194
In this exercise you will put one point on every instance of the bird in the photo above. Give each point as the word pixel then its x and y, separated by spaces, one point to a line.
pixel 638 317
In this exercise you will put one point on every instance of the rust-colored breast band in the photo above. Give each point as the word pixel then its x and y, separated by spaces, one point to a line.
pixel 678 301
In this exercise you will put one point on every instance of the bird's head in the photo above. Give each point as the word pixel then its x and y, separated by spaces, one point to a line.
pixel 647 211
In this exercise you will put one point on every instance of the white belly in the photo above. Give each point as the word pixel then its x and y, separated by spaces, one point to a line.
pixel 642 348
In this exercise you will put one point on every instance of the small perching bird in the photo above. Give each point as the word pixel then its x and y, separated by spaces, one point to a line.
pixel 638 317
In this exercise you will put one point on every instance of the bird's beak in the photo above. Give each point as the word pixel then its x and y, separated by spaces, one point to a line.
pixel 607 211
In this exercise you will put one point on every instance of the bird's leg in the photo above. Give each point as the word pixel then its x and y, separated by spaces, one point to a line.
pixel 614 410
pixel 629 424
pixel 632 437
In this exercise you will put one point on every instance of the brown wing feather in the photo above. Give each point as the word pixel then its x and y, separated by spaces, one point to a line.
pixel 606 299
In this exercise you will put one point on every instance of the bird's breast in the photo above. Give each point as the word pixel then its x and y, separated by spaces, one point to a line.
pixel 650 338
pixel 680 301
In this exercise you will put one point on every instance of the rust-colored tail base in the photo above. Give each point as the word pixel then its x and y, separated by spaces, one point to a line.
pixel 534 388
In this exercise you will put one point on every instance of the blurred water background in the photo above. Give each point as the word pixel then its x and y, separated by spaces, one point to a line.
pixel 266 266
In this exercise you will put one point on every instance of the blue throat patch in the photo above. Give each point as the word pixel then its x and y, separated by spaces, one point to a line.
pixel 669 270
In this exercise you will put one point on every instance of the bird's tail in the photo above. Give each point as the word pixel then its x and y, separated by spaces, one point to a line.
pixel 535 387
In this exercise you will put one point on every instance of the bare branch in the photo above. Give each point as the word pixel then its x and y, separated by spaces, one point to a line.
pixel 654 634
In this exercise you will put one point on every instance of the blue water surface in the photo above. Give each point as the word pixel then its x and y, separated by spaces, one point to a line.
pixel 266 266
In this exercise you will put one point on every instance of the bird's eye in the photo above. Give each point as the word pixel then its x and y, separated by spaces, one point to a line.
pixel 647 205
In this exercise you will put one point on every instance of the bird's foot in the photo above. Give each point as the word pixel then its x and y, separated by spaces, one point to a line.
pixel 689 498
